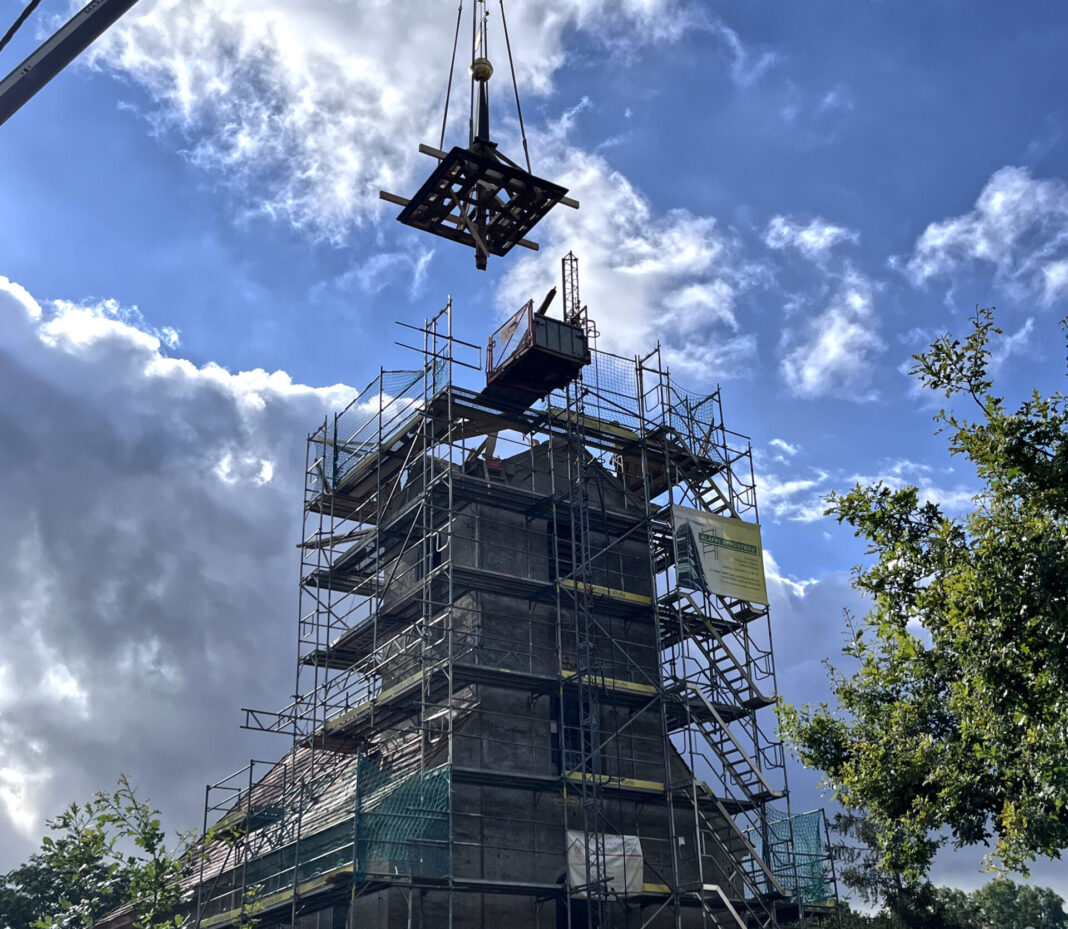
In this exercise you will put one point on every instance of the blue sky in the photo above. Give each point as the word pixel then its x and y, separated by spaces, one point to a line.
pixel 793 198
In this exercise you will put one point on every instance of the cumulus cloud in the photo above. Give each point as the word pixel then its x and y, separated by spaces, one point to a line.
pixel 903 472
pixel 309 107
pixel 831 354
pixel 808 626
pixel 814 240
pixel 147 578
pixel 673 276
pixel 1019 225
pixel 796 498
pixel 1054 280
pixel 801 496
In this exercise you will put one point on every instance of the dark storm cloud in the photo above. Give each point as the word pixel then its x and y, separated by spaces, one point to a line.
pixel 147 564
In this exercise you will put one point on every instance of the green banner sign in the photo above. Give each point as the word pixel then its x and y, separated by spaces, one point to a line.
pixel 720 555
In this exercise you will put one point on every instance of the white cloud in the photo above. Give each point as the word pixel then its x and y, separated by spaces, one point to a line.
pixel 109 308
pixel 902 472
pixel 64 686
pixel 1019 225
pixel 745 67
pixel 801 497
pixel 839 97
pixel 815 239
pixel 773 574
pixel 795 499
pixel 1015 343
pixel 146 559
pixel 808 626
pixel 1054 280
pixel 645 276
pixel 383 268
pixel 785 447
pixel 700 362
pixel 309 107
pixel 18 786
pixel 832 354
pixel 712 300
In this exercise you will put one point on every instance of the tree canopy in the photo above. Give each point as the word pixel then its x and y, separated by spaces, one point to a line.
pixel 953 720
pixel 905 902
pixel 999 904
pixel 109 851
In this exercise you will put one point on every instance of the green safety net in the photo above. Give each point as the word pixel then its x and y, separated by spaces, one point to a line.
pixel 805 873
pixel 402 825
pixel 400 829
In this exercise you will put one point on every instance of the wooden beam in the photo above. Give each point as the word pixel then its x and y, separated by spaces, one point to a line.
pixel 393 198
pixel 432 152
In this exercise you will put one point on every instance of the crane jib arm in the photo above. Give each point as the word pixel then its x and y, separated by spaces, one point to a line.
pixel 57 52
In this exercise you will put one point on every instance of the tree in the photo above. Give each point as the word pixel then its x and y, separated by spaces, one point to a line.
pixel 913 903
pixel 156 872
pixel 958 908
pixel 75 877
pixel 919 904
pixel 952 724
pixel 108 852
pixel 1007 905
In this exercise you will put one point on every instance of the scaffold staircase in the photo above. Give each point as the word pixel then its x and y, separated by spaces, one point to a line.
pixel 722 680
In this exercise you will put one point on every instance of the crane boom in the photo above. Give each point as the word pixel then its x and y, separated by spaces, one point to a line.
pixel 55 53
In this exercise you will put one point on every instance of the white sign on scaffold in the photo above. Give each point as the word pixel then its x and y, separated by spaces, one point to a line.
pixel 615 861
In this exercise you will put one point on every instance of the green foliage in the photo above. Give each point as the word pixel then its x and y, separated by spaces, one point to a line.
pixel 1004 904
pixel 1001 904
pixel 107 852
pixel 156 871
pixel 914 903
pixel 75 877
pixel 957 908
pixel 952 724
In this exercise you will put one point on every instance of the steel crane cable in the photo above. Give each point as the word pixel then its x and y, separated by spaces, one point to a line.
pixel 22 17
pixel 515 87
pixel 479 42
pixel 452 68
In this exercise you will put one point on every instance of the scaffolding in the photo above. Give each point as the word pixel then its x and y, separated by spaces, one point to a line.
pixel 503 658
